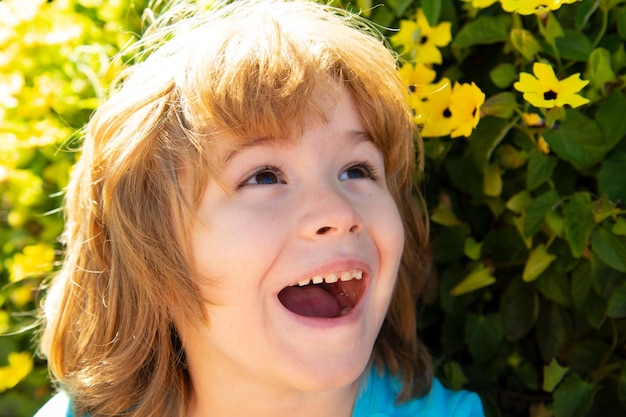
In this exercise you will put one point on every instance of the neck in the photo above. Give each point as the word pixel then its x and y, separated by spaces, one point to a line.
pixel 231 398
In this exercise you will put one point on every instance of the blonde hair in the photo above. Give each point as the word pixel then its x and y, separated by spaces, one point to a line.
pixel 232 70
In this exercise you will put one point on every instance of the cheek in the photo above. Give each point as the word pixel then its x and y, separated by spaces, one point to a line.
pixel 391 232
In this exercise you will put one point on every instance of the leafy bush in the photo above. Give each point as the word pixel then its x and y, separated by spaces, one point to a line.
pixel 54 69
pixel 529 227
pixel 522 105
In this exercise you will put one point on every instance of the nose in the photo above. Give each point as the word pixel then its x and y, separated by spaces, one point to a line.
pixel 328 211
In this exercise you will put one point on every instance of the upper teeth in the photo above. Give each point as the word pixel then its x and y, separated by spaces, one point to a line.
pixel 334 277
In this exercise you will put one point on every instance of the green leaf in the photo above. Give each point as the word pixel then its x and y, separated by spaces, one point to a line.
pixel 579 222
pixel 555 286
pixel 554 330
pixel 604 278
pixel 617 303
pixel 503 244
pixel 443 215
pixel 432 11
pixel 502 105
pixel 527 374
pixel 540 168
pixel 611 249
pixel 574 45
pixel 454 376
pixel 588 354
pixel 536 213
pixel 525 43
pixel 621 23
pixel 619 59
pixel 578 140
pixel 448 244
pixel 574 397
pixel 603 208
pixel 486 137
pixel 610 175
pixel 478 277
pixel 599 70
pixel 553 29
pixel 509 157
pixel 610 118
pixel 503 75
pixel 519 307
pixel 619 228
pixel 553 374
pixel 556 223
pixel 538 261
pixel 472 248
pixel 492 180
pixel 581 284
pixel 483 335
pixel 584 13
pixel 519 202
pixel 595 309
pixel 483 30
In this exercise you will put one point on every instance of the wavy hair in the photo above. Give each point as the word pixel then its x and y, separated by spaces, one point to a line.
pixel 234 70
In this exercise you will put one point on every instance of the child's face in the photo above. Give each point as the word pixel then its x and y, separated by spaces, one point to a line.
pixel 312 208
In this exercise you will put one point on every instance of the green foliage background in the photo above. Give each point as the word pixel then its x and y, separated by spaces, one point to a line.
pixel 530 246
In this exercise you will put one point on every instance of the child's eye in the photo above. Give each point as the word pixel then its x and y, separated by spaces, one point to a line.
pixel 264 176
pixel 359 171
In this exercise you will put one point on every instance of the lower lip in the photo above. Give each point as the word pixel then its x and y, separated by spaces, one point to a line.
pixel 328 323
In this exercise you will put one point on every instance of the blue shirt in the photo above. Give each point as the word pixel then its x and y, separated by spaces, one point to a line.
pixel 378 392
pixel 376 398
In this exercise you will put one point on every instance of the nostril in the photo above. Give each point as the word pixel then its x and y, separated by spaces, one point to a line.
pixel 355 228
pixel 323 230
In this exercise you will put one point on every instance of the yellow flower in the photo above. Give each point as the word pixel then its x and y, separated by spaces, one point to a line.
pixel 448 110
pixel 533 120
pixel 416 75
pixel 528 7
pixel 34 260
pixel 420 41
pixel 481 4
pixel 546 91
pixel 434 103
pixel 466 101
pixel 417 78
pixel 20 365
pixel 543 146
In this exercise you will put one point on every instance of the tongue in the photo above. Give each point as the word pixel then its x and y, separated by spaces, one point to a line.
pixel 310 301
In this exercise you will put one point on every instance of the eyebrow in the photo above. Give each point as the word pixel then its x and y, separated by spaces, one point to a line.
pixel 360 136
pixel 248 144
pixel 357 136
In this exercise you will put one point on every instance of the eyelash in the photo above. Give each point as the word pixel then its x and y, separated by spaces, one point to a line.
pixel 368 169
pixel 266 169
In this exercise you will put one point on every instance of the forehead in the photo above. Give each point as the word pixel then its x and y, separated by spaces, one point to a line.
pixel 330 112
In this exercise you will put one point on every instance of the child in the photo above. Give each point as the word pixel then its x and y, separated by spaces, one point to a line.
pixel 243 237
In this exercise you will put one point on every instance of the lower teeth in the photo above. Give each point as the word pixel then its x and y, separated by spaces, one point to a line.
pixel 345 311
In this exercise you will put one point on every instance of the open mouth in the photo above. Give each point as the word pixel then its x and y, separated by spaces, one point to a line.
pixel 327 296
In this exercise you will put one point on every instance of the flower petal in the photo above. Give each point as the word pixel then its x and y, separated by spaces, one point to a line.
pixel 528 82
pixel 572 84
pixel 545 74
pixel 573 100
pixel 538 100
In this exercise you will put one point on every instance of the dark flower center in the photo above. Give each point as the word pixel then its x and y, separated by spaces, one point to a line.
pixel 447 113
pixel 549 95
